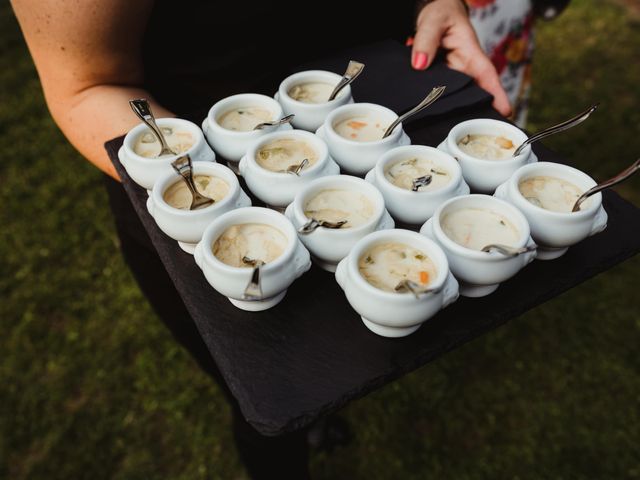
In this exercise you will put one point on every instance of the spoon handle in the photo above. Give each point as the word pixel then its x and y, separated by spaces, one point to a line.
pixel 509 251
pixel 621 177
pixel 434 95
pixel 275 123
pixel 353 70
pixel 560 127
pixel 142 109
pixel 183 167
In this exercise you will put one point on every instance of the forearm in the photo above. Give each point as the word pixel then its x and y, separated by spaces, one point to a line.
pixel 97 114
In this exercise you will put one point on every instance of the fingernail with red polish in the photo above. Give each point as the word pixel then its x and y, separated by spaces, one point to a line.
pixel 419 61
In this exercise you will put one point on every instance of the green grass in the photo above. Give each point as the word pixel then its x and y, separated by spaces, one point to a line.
pixel 92 386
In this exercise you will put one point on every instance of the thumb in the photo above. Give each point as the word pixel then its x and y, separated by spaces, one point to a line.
pixel 426 42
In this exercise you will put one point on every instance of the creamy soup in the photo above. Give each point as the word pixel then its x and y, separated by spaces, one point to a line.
pixel 385 265
pixel 487 147
pixel 147 145
pixel 476 228
pixel 255 241
pixel 311 92
pixel 244 119
pixel 403 172
pixel 551 193
pixel 282 153
pixel 335 205
pixel 361 129
pixel 179 196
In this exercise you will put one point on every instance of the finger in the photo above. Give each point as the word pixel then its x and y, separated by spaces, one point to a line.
pixel 485 74
pixel 427 41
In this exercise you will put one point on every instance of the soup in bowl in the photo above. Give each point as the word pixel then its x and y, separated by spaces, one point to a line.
pixel 354 135
pixel 396 280
pixel 484 147
pixel 279 164
pixel 435 174
pixel 170 200
pixel 140 149
pixel 351 206
pixel 464 225
pixel 545 193
pixel 237 241
pixel 230 124
pixel 306 95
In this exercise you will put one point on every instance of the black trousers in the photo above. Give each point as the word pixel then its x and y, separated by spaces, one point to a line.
pixel 282 457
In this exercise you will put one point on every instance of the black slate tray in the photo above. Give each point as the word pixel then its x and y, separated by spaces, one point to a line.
pixel 311 354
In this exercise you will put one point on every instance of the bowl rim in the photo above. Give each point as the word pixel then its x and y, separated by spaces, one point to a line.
pixel 387 158
pixel 452 143
pixel 313 186
pixel 132 134
pixel 291 80
pixel 517 177
pixel 319 144
pixel 281 223
pixel 465 252
pixel 395 136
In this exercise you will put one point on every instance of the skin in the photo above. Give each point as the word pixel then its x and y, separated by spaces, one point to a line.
pixel 87 53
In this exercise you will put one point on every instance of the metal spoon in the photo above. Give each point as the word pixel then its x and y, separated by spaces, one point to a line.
pixel 622 176
pixel 142 109
pixel 296 169
pixel 434 95
pixel 353 70
pixel 421 182
pixel 275 123
pixel 253 290
pixel 560 127
pixel 182 165
pixel 411 286
pixel 509 251
pixel 313 224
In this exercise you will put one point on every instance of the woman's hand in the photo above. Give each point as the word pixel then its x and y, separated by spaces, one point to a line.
pixel 445 23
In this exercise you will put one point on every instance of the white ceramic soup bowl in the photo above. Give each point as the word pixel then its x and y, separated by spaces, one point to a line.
pixel 187 226
pixel 310 116
pixel 555 232
pixel 354 157
pixel 230 144
pixel 482 175
pixel 392 314
pixel 416 207
pixel 145 171
pixel 275 276
pixel 480 273
pixel 279 189
pixel 329 246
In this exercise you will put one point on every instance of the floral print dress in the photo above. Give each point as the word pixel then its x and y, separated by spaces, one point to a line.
pixel 505 31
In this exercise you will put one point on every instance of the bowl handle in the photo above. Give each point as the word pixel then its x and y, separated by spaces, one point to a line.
pixel 197 255
pixel 122 157
pixel 427 229
pixel 302 259
pixel 529 256
pixel 242 166
pixel 371 176
pixel 386 222
pixel 243 199
pixel 463 188
pixel 501 191
pixel 341 273
pixel 150 205
pixel 205 126
pixel 450 292
pixel 600 221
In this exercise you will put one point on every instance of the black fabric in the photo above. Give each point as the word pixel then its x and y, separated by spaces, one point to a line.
pixel 311 354
pixel 198 51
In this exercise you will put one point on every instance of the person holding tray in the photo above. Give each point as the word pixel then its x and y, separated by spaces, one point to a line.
pixel 93 56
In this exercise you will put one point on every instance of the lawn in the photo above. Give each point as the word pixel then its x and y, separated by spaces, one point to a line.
pixel 92 385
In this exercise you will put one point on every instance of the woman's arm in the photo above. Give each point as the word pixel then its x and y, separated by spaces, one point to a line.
pixel 87 54
pixel 445 23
